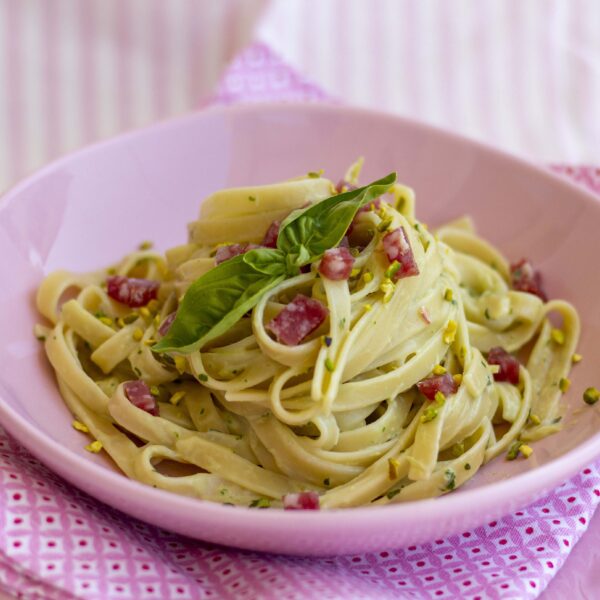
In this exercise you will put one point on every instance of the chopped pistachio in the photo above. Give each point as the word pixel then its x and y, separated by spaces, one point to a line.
pixel 94 447
pixel 450 332
pixel 111 271
pixel 439 370
pixel 440 398
pixel 176 398
pixel 457 378
pixel 203 377
pixel 154 390
pixel 180 363
pixel 410 356
pixel 450 480
pixel 387 287
pixel 79 426
pixel 591 395
pixel 130 318
pixel 329 365
pixel 392 493
pixel 487 314
pixel 526 450
pixel 429 414
pixel 149 342
pixel 393 466
pixel 121 322
pixel 392 269
pixel 513 451
pixel 145 312
pixel 458 449
pixel 467 466
pixel 448 295
pixel 260 503
pixel 106 320
pixel 368 276
pixel 385 224
pixel 354 272
pixel 564 384
pixel 576 358
pixel 558 336
pixel 146 245
pixel 252 198
pixel 367 308
pixel 316 174
pixel 138 334
pixel 534 420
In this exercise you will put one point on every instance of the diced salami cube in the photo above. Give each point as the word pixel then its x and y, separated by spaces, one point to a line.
pixel 297 320
pixel 525 278
pixel 130 291
pixel 138 393
pixel 166 324
pixel 226 252
pixel 437 383
pixel 509 365
pixel 301 501
pixel 397 248
pixel 336 264
pixel 270 239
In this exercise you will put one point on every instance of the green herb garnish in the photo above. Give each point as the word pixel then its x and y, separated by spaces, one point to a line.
pixel 450 480
pixel 221 297
pixel 260 503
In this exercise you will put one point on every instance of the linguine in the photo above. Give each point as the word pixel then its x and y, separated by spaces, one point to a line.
pixel 392 396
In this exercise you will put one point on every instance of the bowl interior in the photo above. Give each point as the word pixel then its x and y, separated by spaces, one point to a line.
pixel 89 209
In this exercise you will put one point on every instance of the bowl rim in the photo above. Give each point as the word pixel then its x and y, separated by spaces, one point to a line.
pixel 62 460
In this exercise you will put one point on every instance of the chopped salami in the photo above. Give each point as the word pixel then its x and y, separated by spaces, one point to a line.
pixel 270 239
pixel 509 365
pixel 336 264
pixel 138 393
pixel 130 291
pixel 525 278
pixel 297 320
pixel 437 383
pixel 301 501
pixel 397 248
pixel 226 252
pixel 166 324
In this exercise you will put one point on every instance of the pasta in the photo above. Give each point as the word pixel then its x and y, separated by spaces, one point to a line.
pixel 340 354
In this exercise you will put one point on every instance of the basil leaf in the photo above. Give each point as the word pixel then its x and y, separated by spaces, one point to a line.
pixel 220 298
pixel 305 235
pixel 266 260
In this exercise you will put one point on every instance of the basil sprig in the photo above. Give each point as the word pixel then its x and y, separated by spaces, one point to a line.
pixel 305 234
pixel 221 297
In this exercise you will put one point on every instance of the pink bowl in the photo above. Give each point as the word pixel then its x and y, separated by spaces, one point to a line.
pixel 90 208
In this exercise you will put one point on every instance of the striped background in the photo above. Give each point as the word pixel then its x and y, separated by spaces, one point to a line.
pixel 75 71
pixel 521 74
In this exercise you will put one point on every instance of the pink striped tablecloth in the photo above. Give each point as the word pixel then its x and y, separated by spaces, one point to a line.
pixel 58 543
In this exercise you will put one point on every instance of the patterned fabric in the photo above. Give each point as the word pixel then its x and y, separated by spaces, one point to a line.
pixel 58 543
